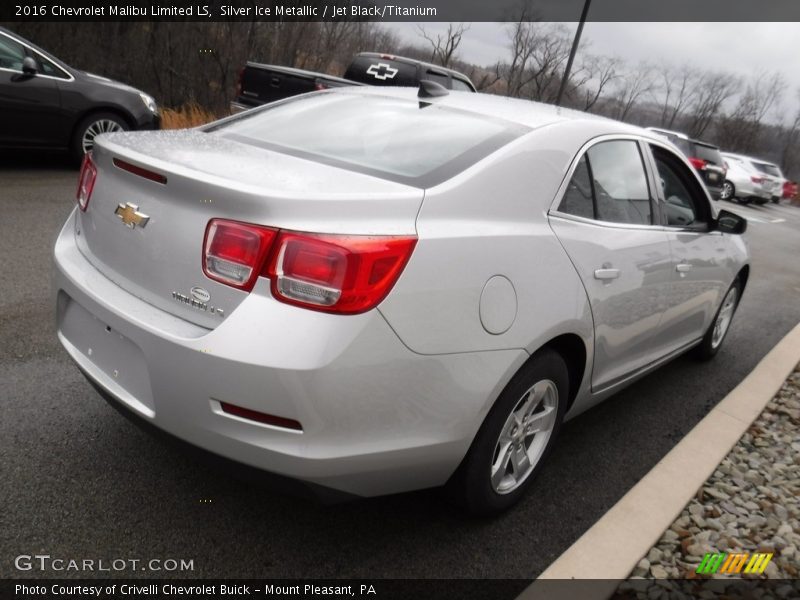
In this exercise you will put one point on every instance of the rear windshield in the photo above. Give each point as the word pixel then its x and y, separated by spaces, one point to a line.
pixel 402 140
pixel 382 71
pixel 768 169
pixel 708 153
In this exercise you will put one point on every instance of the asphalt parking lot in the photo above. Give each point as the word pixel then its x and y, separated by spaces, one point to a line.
pixel 79 481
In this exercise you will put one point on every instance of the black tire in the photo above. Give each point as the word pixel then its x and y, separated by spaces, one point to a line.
pixel 743 200
pixel 731 196
pixel 776 200
pixel 471 486
pixel 707 348
pixel 77 145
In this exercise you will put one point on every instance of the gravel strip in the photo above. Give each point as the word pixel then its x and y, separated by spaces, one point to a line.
pixel 750 504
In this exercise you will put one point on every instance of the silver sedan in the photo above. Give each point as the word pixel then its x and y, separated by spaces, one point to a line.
pixel 377 291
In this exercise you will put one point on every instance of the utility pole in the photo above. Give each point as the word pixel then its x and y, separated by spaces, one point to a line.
pixel 572 52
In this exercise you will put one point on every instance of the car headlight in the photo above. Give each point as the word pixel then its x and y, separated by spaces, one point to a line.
pixel 149 102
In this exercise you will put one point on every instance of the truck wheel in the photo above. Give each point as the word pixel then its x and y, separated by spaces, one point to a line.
pixel 515 439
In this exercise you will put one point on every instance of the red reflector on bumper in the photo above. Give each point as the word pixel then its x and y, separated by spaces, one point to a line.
pixel 254 415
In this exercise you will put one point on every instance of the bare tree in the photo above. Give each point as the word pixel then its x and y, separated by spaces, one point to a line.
pixel 521 44
pixel 444 46
pixel 633 86
pixel 789 153
pixel 713 89
pixel 742 128
pixel 592 77
pixel 551 47
pixel 678 87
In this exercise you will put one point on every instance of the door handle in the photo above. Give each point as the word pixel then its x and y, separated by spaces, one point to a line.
pixel 606 274
pixel 683 267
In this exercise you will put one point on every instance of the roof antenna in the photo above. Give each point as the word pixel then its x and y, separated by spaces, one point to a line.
pixel 431 89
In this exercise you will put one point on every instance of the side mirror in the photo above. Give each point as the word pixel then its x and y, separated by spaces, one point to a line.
pixel 29 66
pixel 728 222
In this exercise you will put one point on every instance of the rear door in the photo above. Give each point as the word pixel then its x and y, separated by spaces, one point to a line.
pixel 699 255
pixel 606 223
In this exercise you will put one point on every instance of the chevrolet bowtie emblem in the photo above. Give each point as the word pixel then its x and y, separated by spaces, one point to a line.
pixel 129 214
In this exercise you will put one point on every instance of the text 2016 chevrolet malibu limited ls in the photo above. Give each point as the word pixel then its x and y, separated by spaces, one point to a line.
pixel 374 292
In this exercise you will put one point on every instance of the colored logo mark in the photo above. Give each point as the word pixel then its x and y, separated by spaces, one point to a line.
pixel 734 563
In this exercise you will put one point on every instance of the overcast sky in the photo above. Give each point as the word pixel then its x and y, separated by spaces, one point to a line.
pixel 743 48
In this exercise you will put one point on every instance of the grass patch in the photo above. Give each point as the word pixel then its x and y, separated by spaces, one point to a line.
pixel 187 115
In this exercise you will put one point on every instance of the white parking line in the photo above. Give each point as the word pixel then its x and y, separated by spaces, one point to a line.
pixel 611 548
pixel 756 215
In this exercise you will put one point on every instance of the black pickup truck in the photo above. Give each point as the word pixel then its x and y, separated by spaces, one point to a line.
pixel 260 84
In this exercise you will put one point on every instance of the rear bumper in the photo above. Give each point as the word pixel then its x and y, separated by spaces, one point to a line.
pixel 377 418
pixel 715 191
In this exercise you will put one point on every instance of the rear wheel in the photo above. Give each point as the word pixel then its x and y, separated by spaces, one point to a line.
pixel 515 438
pixel 776 199
pixel 712 341
pixel 91 127
pixel 728 191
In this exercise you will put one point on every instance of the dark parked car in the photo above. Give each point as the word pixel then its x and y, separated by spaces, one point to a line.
pixel 705 158
pixel 46 104
pixel 260 84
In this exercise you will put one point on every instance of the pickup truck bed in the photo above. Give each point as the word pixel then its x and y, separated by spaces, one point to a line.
pixel 260 84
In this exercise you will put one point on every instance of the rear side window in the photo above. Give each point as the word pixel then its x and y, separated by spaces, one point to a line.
pixel 708 153
pixel 610 184
pixel 578 198
pixel 392 138
pixel 768 169
pixel 439 78
pixel 461 86
pixel 382 71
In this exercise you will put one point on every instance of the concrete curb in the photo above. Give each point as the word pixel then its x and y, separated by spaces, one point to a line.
pixel 612 547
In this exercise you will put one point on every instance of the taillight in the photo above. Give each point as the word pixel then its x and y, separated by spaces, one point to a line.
pixel 698 163
pixel 755 179
pixel 234 253
pixel 336 273
pixel 86 181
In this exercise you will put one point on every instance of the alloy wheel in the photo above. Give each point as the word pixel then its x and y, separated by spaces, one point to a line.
pixel 727 191
pixel 524 436
pixel 724 317
pixel 95 129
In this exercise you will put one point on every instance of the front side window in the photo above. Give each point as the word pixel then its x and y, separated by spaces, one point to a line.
pixel 48 68
pixel 612 175
pixel 11 54
pixel 683 201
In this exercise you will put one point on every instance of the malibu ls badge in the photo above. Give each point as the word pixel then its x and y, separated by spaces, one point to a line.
pixel 129 214
pixel 198 298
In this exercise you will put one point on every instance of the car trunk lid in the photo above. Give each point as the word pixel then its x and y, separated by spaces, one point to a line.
pixel 177 181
